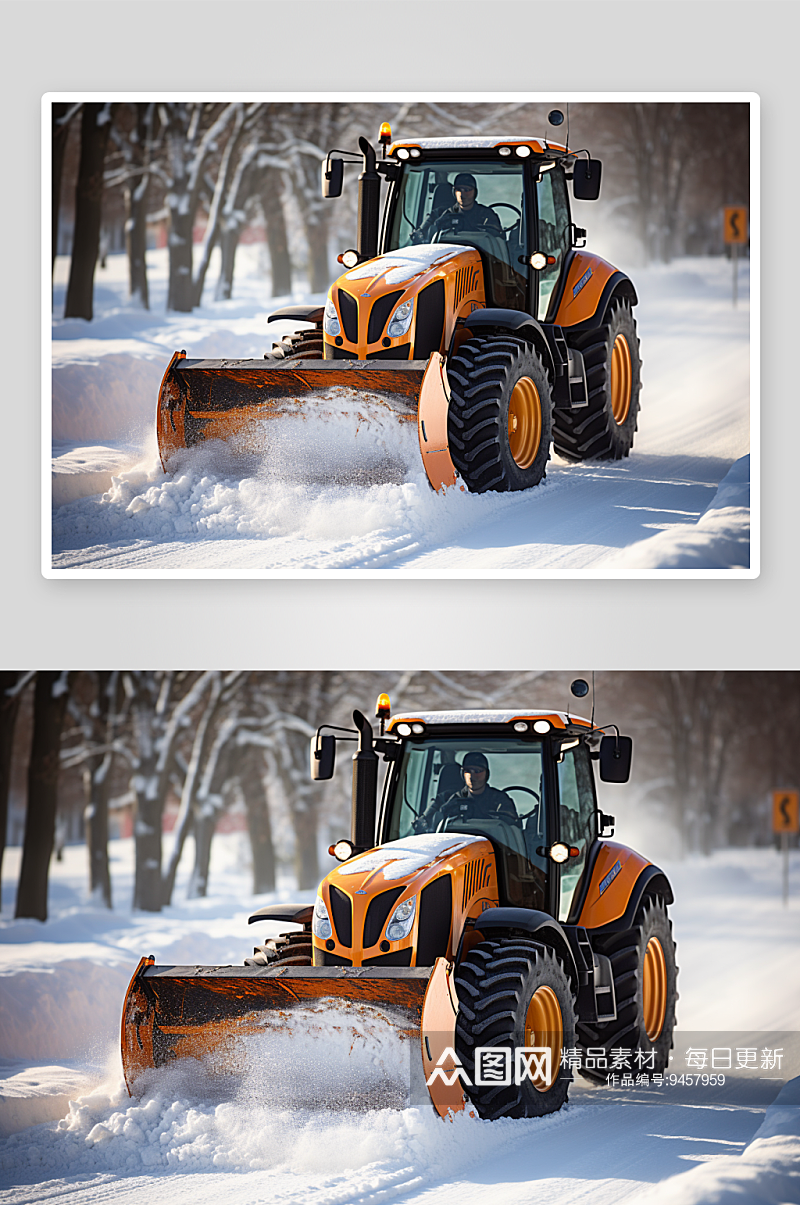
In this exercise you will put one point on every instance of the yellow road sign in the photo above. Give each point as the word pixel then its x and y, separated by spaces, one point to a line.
pixel 785 811
pixel 735 224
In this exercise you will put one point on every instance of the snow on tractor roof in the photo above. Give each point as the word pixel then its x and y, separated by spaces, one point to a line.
pixel 558 718
pixel 474 142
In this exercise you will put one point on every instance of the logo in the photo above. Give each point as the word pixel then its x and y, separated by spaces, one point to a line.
pixel 612 874
pixel 493 1067
pixel 584 280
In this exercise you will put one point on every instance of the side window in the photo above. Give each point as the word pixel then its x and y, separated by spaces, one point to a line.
pixel 577 819
pixel 553 232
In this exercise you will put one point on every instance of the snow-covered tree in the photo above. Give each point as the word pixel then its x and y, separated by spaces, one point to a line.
pixel 49 707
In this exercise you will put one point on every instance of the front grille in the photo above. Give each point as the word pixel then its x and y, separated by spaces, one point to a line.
pixel 342 912
pixel 379 315
pixel 391 353
pixel 341 353
pixel 348 309
pixel 433 931
pixel 377 915
pixel 430 320
pixel 398 958
pixel 333 960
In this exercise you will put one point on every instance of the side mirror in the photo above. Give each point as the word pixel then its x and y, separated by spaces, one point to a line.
pixel 323 757
pixel 616 755
pixel 586 179
pixel 332 177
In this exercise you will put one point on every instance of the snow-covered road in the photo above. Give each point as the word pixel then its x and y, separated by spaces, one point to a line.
pixel 280 518
pixel 739 954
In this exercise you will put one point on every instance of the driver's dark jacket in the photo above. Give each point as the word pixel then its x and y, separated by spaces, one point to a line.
pixel 479 217
pixel 489 803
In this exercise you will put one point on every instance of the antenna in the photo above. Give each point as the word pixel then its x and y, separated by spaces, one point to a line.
pixel 592 698
pixel 568 149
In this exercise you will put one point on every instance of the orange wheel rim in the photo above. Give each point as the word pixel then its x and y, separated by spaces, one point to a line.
pixel 654 996
pixel 621 378
pixel 544 1028
pixel 524 423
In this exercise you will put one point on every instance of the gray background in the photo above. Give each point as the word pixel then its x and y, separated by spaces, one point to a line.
pixel 379 46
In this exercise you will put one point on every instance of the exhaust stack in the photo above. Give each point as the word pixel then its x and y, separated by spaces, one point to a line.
pixel 369 197
pixel 365 786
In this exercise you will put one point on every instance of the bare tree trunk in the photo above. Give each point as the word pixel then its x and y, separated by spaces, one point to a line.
pixel 60 129
pixel 136 196
pixel 95 125
pixel 179 296
pixel 204 736
pixel 9 706
pixel 317 235
pixel 97 782
pixel 229 241
pixel 50 701
pixel 271 195
pixel 250 765
pixel 306 860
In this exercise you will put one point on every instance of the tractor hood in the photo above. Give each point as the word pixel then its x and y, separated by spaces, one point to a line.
pixel 402 305
pixel 423 881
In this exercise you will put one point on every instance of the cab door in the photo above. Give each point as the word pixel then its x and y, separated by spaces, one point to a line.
pixel 577 820
pixel 553 231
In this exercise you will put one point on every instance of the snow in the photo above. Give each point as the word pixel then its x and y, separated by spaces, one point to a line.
pixel 348 494
pixel 401 859
pixel 481 716
pixel 399 266
pixel 188 1139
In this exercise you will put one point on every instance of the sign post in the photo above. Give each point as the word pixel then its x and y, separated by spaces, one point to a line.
pixel 785 820
pixel 735 232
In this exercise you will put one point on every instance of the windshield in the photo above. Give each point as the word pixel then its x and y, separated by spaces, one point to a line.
pixel 491 217
pixel 491 788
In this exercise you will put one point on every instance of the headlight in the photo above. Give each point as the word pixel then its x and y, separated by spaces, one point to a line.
pixel 400 320
pixel 330 323
pixel 321 923
pixel 402 920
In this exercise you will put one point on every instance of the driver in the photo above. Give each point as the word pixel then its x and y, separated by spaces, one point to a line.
pixel 476 800
pixel 466 214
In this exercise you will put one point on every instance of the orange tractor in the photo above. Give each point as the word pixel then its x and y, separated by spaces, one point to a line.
pixel 480 910
pixel 471 310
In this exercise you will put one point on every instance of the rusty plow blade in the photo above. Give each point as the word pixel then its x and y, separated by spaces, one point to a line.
pixel 375 409
pixel 313 1025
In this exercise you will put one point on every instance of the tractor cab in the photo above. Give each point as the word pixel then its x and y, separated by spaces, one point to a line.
pixel 519 209
pixel 536 805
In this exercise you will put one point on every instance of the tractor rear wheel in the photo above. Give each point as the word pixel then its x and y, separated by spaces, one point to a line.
pixel 302 345
pixel 499 422
pixel 288 949
pixel 645 986
pixel 604 429
pixel 515 994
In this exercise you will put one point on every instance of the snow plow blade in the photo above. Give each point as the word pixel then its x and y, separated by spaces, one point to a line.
pixel 206 1013
pixel 202 400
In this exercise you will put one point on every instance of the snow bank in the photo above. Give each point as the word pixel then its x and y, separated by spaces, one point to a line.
pixel 768 1170
pixel 110 397
pixel 719 540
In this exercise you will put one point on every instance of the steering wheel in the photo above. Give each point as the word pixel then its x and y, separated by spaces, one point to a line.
pixel 527 791
pixel 505 205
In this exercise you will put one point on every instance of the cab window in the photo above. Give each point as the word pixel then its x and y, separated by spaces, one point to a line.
pixel 577 820
pixel 553 231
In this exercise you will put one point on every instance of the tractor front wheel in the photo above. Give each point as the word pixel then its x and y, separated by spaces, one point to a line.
pixel 645 986
pixel 516 1002
pixel 499 422
pixel 604 429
